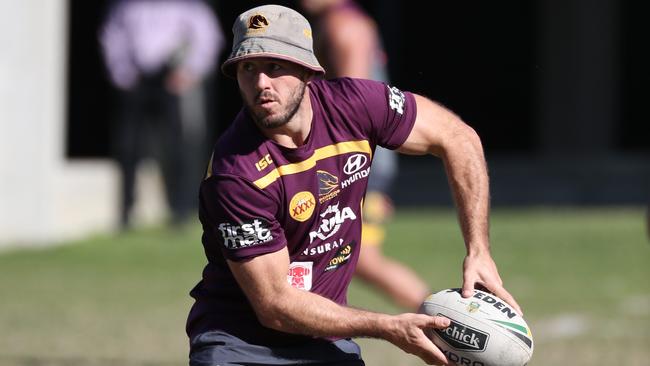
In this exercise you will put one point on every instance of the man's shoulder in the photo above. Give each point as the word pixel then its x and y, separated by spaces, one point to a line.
pixel 350 97
pixel 343 82
pixel 345 88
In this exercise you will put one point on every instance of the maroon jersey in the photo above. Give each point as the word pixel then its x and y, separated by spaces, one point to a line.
pixel 260 197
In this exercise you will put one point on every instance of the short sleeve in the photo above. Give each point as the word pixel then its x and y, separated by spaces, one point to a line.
pixel 391 112
pixel 241 218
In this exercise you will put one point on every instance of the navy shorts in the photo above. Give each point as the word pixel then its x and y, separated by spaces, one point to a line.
pixel 218 348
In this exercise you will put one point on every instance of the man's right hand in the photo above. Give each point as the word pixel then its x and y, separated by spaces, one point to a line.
pixel 407 333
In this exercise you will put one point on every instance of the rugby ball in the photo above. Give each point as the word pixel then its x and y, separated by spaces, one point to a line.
pixel 484 330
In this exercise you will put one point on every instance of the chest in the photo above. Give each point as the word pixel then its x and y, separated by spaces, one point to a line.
pixel 321 197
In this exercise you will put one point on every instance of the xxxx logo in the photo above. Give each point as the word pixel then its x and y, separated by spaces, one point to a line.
pixel 302 206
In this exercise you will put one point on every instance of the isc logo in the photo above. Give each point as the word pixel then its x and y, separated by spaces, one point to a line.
pixel 264 162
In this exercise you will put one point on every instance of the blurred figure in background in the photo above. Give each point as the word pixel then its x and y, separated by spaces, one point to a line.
pixel 352 47
pixel 158 54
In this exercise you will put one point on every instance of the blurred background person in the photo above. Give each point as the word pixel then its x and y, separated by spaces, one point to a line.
pixel 158 54
pixel 350 46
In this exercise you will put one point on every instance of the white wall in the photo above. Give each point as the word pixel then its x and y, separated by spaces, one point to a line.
pixel 44 198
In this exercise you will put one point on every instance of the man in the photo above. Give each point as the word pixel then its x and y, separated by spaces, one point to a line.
pixel 350 45
pixel 281 205
pixel 158 54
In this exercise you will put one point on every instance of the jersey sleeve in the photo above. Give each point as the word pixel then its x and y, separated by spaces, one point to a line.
pixel 391 112
pixel 240 217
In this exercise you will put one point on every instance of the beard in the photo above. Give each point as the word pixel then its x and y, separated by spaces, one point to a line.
pixel 268 121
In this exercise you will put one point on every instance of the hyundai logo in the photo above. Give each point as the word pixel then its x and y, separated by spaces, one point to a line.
pixel 355 163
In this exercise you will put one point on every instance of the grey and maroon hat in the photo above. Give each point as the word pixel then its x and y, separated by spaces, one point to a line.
pixel 272 31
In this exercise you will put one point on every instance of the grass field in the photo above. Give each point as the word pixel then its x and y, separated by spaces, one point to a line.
pixel 582 276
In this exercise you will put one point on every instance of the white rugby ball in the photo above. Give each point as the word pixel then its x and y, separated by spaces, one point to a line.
pixel 484 330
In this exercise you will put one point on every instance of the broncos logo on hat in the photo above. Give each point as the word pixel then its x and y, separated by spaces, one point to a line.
pixel 257 21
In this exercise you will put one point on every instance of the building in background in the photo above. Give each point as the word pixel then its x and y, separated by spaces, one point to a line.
pixel 44 196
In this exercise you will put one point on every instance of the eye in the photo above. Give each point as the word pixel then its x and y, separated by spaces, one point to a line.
pixel 247 66
pixel 274 67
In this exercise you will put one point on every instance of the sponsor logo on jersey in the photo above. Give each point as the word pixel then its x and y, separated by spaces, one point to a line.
pixel 342 257
pixel 396 99
pixel 328 186
pixel 355 177
pixel 323 248
pixel 355 163
pixel 463 337
pixel 264 163
pixel 302 206
pixel 300 275
pixel 331 220
pixel 247 234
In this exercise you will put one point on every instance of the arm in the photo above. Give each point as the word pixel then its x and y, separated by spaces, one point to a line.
pixel 116 49
pixel 204 37
pixel 282 307
pixel 205 42
pixel 352 42
pixel 439 132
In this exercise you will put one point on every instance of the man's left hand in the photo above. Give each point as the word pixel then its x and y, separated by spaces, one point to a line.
pixel 480 270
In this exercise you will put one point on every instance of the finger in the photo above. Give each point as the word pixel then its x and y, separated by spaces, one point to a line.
pixel 480 286
pixel 437 322
pixel 434 356
pixel 468 287
pixel 505 295
pixel 430 353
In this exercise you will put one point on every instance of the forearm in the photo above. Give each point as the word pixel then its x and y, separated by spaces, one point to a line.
pixel 307 313
pixel 300 312
pixel 440 132
pixel 282 307
pixel 468 179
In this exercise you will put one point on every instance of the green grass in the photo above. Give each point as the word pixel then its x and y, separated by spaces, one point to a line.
pixel 582 277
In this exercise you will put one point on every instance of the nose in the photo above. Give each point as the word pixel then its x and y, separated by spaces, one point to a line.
pixel 262 81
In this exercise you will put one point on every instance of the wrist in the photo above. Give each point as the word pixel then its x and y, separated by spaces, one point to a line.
pixel 386 327
pixel 476 248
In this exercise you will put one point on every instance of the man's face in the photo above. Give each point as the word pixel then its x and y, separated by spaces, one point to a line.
pixel 272 90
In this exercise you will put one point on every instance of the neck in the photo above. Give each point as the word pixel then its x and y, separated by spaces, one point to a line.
pixel 294 133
